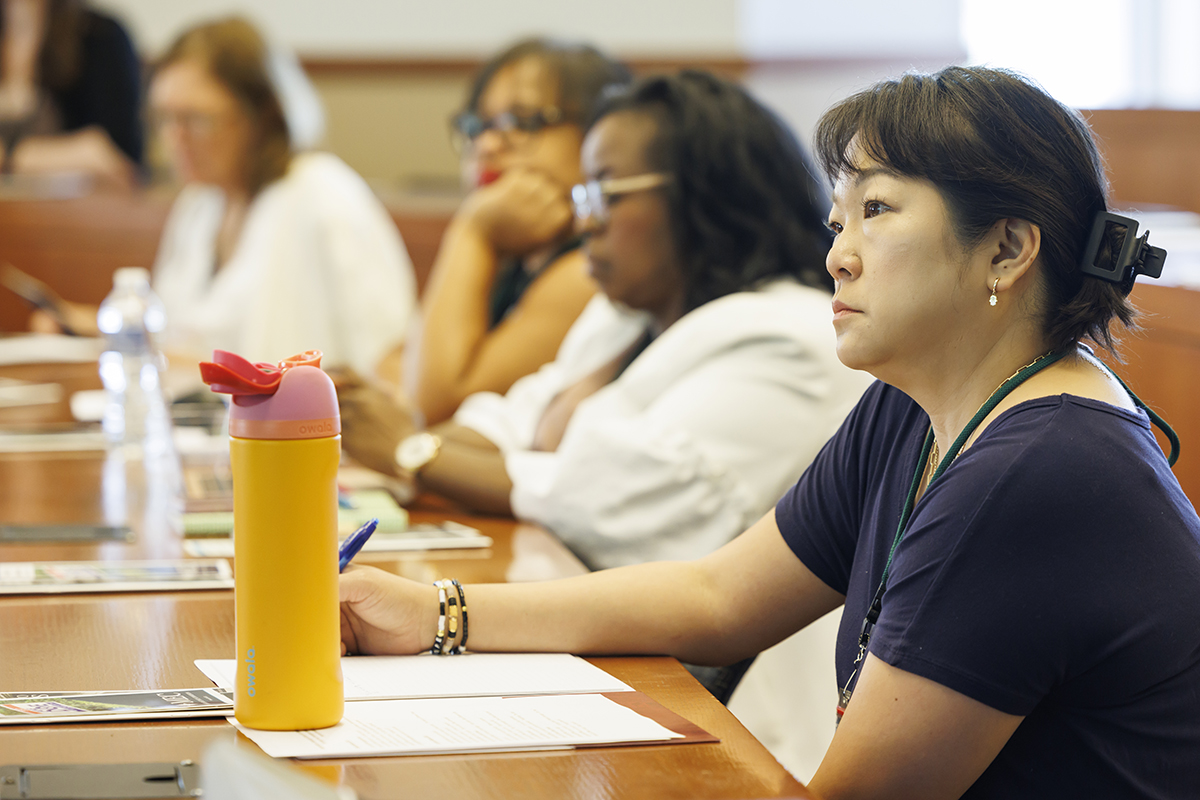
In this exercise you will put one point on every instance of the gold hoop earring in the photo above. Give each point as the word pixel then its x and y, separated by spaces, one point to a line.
pixel 992 299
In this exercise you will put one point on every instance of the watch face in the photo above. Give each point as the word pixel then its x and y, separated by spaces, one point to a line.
pixel 416 451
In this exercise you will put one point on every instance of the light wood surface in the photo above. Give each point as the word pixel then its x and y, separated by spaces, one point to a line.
pixel 150 640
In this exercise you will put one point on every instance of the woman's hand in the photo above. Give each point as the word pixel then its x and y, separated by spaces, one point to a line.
pixel 89 151
pixel 383 614
pixel 79 318
pixel 519 212
pixel 373 422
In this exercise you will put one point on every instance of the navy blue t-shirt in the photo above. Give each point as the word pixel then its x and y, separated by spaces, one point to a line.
pixel 1053 572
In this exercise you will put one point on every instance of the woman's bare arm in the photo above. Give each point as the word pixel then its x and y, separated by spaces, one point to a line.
pixel 469 469
pixel 458 354
pixel 89 151
pixel 904 736
pixel 747 596
pixel 80 318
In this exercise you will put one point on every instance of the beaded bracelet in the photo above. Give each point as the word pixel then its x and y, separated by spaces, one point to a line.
pixel 462 606
pixel 440 639
pixel 452 620
pixel 451 605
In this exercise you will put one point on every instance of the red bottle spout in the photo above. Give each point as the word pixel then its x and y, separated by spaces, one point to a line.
pixel 229 373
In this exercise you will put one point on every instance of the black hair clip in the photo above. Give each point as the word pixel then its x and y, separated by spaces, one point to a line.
pixel 1115 253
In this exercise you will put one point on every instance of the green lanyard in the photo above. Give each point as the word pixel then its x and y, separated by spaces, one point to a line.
pixel 1019 377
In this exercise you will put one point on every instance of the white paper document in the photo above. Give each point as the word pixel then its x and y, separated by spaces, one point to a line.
pixel 15 392
pixel 467 675
pixel 44 348
pixel 50 442
pixel 462 725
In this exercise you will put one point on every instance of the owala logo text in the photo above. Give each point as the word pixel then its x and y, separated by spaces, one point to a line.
pixel 250 672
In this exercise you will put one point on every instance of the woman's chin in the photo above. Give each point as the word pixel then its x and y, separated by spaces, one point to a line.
pixel 189 174
pixel 851 354
pixel 598 273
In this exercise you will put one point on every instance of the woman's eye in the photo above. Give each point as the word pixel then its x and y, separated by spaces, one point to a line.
pixel 836 227
pixel 873 208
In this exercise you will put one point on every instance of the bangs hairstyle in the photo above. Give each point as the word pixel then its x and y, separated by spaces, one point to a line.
pixel 580 74
pixel 995 146
pixel 745 206
pixel 235 55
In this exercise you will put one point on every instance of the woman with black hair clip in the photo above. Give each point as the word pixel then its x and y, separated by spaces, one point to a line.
pixel 1019 568
pixel 700 383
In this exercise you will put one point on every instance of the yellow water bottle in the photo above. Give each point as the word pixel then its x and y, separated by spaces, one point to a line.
pixel 284 449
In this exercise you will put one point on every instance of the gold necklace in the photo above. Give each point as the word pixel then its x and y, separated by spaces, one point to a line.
pixel 933 458
pixel 935 454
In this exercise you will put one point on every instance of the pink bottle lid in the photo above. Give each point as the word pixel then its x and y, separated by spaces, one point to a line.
pixel 294 399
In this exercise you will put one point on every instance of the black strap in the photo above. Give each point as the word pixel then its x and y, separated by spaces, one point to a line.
pixel 512 279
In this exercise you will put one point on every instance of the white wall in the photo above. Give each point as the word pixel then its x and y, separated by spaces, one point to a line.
pixel 800 94
pixel 872 29
pixel 756 28
pixel 469 28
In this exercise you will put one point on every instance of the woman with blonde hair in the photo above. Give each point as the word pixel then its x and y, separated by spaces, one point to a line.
pixel 270 249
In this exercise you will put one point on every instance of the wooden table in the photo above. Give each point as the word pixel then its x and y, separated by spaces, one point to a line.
pixel 143 641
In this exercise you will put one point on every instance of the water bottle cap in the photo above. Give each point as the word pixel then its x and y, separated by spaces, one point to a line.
pixel 291 400
pixel 131 277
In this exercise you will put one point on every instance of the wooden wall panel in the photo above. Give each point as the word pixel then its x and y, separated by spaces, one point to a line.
pixel 1162 364
pixel 1152 155
pixel 75 245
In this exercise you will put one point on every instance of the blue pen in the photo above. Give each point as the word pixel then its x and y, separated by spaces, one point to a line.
pixel 354 542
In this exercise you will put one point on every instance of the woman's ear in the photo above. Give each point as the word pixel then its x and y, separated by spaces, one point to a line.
pixel 1017 245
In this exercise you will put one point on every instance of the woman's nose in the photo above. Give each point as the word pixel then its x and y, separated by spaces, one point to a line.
pixel 588 224
pixel 489 143
pixel 842 260
pixel 174 139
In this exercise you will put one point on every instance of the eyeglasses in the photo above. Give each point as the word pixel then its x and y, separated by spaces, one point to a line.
pixel 515 127
pixel 197 124
pixel 591 200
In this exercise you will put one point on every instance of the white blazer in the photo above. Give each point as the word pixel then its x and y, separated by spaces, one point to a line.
pixel 319 264
pixel 697 439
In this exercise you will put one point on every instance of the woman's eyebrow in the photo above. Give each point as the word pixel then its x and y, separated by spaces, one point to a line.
pixel 857 179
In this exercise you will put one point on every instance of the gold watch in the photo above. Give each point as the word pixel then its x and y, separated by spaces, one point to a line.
pixel 416 451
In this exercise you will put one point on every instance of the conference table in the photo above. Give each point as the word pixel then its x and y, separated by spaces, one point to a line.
pixel 77 642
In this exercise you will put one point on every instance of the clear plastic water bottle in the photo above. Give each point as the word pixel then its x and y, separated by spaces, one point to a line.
pixel 130 365
pixel 142 481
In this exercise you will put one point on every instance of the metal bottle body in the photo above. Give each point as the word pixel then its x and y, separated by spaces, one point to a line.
pixel 286 583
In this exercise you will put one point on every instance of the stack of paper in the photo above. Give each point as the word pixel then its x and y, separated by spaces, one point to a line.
pixel 361 506
pixel 467 725
pixel 42 348
pixel 468 675
pixel 57 577
pixel 476 702
pixel 15 392
pixel 23 708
